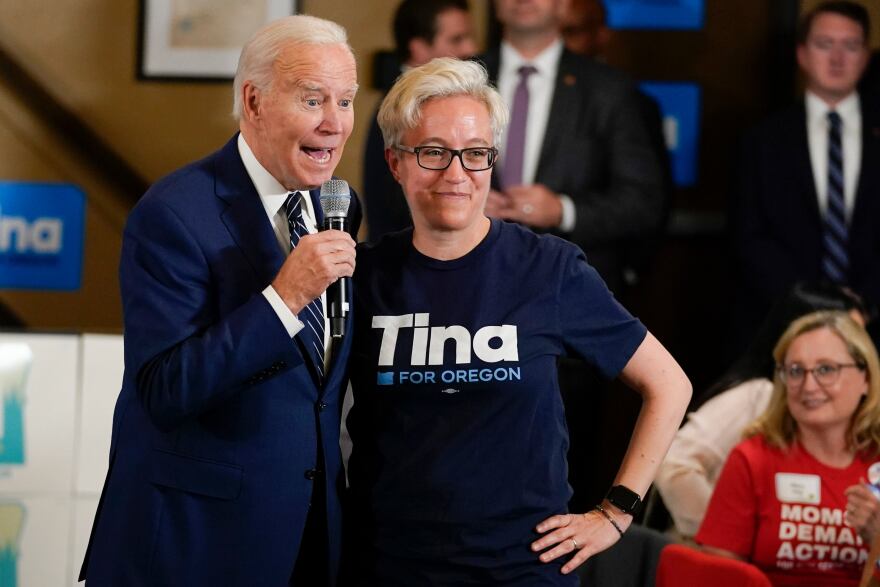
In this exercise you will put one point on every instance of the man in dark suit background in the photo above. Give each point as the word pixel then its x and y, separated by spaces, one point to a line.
pixel 224 460
pixel 807 205
pixel 585 31
pixel 585 170
pixel 588 169
pixel 423 30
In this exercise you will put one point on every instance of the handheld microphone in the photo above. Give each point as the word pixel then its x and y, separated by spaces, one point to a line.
pixel 335 200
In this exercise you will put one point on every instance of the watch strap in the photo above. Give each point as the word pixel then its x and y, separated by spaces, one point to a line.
pixel 624 499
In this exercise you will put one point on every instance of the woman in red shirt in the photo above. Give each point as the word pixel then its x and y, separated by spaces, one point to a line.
pixel 793 497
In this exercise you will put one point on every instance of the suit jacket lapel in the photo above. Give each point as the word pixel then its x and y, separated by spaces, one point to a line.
pixel 341 347
pixel 316 206
pixel 245 217
pixel 246 220
pixel 801 153
pixel 566 101
pixel 492 62
pixel 868 187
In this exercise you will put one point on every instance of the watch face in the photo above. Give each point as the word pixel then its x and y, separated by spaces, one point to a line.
pixel 624 498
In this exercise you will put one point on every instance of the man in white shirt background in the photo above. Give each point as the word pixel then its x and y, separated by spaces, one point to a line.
pixel 583 165
pixel 807 199
pixel 576 161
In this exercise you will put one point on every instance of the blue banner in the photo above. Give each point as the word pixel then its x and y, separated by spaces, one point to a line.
pixel 680 107
pixel 42 230
pixel 655 14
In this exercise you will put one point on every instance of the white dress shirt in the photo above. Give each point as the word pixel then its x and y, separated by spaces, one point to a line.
pixel 851 142
pixel 273 195
pixel 541 85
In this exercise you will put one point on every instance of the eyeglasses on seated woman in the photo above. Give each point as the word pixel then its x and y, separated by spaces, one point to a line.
pixel 794 497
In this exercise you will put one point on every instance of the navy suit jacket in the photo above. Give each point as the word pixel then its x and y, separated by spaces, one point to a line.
pixel 775 220
pixel 597 150
pixel 216 429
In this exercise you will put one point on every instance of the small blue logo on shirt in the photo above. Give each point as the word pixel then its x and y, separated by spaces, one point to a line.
pixel 386 378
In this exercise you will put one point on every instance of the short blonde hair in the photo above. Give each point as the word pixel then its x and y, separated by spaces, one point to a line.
pixel 778 426
pixel 260 52
pixel 401 110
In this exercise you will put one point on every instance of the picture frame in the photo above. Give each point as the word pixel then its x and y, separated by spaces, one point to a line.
pixel 199 40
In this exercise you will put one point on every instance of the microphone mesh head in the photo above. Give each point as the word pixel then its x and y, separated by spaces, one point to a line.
pixel 335 198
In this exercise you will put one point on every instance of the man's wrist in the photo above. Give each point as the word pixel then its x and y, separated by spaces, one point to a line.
pixel 288 318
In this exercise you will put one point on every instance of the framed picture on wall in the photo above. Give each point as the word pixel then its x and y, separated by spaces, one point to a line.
pixel 191 40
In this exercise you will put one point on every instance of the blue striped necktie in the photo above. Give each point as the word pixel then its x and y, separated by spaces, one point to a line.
pixel 835 237
pixel 312 316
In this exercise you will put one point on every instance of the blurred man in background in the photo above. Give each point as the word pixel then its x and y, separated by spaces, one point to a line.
pixel 423 30
pixel 577 161
pixel 807 205
pixel 584 28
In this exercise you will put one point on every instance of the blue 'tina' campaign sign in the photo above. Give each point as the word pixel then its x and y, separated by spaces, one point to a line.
pixel 42 230
pixel 680 107
pixel 655 14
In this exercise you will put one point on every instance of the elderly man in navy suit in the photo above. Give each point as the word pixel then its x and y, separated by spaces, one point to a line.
pixel 224 459
pixel 807 207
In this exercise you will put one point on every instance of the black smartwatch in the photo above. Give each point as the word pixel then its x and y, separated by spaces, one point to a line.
pixel 624 499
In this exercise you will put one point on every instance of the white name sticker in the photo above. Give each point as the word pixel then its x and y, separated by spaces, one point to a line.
pixel 797 488
pixel 874 474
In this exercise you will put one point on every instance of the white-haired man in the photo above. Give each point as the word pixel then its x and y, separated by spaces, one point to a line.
pixel 224 459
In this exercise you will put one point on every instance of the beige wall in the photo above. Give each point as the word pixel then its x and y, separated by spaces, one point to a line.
pixel 31 152
pixel 85 52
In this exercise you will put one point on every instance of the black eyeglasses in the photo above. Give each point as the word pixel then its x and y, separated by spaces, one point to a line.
pixel 439 158
pixel 824 373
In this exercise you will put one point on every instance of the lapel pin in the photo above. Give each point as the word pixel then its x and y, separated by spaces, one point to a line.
pixel 569 80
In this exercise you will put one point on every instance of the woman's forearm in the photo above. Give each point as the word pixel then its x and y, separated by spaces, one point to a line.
pixel 665 391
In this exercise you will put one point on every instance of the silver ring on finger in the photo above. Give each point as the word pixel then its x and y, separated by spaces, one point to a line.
pixel 573 541
pixel 528 209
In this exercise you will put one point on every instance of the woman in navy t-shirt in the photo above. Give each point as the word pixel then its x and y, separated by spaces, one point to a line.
pixel 458 472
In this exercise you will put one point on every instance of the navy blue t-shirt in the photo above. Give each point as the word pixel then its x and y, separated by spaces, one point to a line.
pixel 458 428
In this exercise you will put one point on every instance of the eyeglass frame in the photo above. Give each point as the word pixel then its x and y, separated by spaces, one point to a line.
pixel 781 369
pixel 454 153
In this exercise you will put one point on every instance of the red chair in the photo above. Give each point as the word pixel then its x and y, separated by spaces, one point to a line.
pixel 681 565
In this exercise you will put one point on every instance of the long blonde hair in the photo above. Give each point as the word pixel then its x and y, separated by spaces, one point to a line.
pixel 778 426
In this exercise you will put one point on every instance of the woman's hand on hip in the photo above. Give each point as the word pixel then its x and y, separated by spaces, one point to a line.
pixel 581 535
